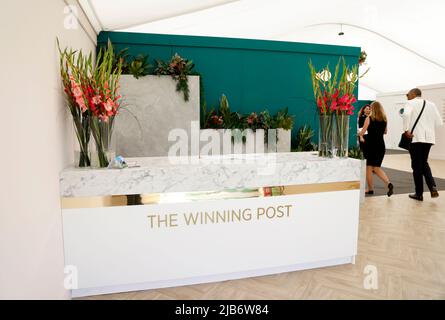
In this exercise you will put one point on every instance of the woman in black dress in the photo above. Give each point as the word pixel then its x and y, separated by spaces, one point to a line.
pixel 376 126
pixel 364 112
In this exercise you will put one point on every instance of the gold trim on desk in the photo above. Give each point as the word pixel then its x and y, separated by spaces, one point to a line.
pixel 178 197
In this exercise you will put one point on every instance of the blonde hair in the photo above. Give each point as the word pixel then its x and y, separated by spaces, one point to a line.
pixel 378 113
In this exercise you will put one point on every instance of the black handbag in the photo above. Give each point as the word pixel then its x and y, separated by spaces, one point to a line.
pixel 405 142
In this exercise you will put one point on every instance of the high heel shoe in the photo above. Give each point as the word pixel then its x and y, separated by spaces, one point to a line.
pixel 390 189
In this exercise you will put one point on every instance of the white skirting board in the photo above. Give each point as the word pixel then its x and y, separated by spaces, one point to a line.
pixel 207 279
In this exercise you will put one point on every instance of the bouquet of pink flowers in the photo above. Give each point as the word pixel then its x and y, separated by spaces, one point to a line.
pixel 92 97
pixel 74 75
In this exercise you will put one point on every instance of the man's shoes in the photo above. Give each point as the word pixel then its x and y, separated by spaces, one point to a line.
pixel 416 197
pixel 434 193
pixel 390 189
pixel 369 192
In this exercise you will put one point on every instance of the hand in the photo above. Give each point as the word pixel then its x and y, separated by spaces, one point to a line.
pixel 408 134
pixel 362 139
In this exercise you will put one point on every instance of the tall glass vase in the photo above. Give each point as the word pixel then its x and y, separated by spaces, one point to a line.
pixel 81 123
pixel 102 132
pixel 325 136
pixel 342 135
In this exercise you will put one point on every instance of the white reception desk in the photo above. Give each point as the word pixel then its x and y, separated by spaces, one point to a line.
pixel 168 224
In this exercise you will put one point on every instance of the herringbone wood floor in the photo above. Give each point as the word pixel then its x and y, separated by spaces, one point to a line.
pixel 404 239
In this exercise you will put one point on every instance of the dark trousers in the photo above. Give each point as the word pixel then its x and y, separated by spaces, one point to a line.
pixel 419 163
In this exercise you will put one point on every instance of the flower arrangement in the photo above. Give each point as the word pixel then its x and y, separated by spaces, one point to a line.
pixel 74 71
pixel 179 69
pixel 334 97
pixel 92 97
pixel 333 93
pixel 224 118
pixel 104 101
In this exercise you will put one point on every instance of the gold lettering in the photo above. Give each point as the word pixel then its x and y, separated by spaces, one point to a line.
pixel 280 211
pixel 150 217
pixel 191 218
pixel 260 212
pixel 237 215
pixel 288 207
pixel 210 217
pixel 247 214
pixel 173 220
pixel 218 216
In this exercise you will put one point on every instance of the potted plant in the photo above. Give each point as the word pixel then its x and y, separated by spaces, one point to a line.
pixel 283 122
pixel 303 140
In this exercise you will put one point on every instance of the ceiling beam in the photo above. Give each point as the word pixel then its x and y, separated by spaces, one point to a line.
pixel 90 12
pixel 381 36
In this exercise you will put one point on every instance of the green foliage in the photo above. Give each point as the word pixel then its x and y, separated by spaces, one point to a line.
pixel 283 120
pixel 136 66
pixel 355 153
pixel 179 69
pixel 362 58
pixel 205 115
pixel 122 57
pixel 231 120
pixel 223 117
pixel 303 141
pixel 139 67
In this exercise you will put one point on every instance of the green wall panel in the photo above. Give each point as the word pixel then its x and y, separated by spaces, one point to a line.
pixel 253 74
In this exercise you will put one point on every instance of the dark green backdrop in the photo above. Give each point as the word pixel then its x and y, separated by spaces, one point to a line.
pixel 253 74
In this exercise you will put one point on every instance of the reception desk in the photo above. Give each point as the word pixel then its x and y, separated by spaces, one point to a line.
pixel 179 221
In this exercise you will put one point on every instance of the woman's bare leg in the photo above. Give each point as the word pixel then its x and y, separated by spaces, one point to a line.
pixel 369 178
pixel 382 175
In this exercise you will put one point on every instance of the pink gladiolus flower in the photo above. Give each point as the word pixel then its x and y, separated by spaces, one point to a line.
pixel 81 104
pixel 104 118
pixel 109 105
pixel 96 99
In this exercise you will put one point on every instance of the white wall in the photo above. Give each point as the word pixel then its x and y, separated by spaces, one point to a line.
pixel 36 143
pixel 393 101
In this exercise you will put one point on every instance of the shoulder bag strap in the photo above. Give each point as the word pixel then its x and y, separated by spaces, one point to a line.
pixel 417 120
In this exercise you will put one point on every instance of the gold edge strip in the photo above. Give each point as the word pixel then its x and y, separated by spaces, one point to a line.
pixel 178 197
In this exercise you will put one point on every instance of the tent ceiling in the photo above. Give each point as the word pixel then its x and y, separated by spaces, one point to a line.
pixel 403 39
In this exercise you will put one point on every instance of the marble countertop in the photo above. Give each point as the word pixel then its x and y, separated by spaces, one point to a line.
pixel 210 173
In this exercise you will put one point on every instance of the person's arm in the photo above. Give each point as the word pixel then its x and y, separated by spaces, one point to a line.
pixel 386 128
pixel 407 113
pixel 365 127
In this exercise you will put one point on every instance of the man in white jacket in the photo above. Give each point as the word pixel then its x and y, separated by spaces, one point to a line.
pixel 423 138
